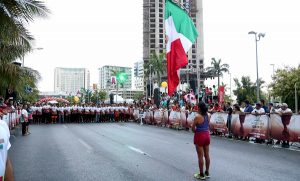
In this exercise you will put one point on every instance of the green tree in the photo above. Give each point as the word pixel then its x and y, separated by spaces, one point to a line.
pixel 217 69
pixel 15 42
pixel 138 96
pixel 246 89
pixel 283 85
pixel 158 66
pixel 98 95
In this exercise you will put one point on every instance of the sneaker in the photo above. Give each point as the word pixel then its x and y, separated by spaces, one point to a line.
pixel 207 174
pixel 199 176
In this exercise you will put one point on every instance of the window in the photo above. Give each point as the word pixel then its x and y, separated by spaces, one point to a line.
pixel 161 35
pixel 152 15
pixel 152 25
pixel 161 41
pixel 193 56
pixel 152 41
pixel 161 25
pixel 152 35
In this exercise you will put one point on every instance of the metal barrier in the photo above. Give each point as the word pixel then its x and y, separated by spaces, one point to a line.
pixel 286 128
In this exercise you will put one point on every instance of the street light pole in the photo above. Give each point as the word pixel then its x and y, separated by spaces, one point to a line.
pixel 273 69
pixel 257 38
pixel 296 99
pixel 230 86
pixel 150 66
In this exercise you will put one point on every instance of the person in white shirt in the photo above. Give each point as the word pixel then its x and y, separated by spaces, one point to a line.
pixel 6 168
pixel 258 110
pixel 61 114
pixel 24 120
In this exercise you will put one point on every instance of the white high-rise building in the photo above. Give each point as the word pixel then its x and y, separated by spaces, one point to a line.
pixel 138 72
pixel 106 74
pixel 71 80
pixel 154 33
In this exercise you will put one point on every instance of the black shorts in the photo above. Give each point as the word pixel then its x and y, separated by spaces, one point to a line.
pixel 27 123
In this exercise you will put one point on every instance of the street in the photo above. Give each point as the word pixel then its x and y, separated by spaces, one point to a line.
pixel 128 151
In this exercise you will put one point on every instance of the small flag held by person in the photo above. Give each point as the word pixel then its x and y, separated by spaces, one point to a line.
pixel 181 33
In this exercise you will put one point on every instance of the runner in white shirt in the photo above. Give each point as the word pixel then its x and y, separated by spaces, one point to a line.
pixel 5 164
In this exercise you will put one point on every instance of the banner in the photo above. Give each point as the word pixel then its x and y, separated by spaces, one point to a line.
pixel 136 113
pixel 259 126
pixel 218 122
pixel 158 117
pixel 147 115
pixel 285 128
pixel 174 118
pixel 165 115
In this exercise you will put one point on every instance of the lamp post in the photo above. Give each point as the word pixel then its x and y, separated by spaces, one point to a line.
pixel 39 48
pixel 296 99
pixel 230 86
pixel 257 38
pixel 273 69
pixel 150 77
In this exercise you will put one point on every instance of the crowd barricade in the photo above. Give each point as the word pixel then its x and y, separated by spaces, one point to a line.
pixel 147 116
pixel 12 120
pixel 136 114
pixel 190 119
pixel 286 128
pixel 158 117
pixel 218 123
pixel 175 119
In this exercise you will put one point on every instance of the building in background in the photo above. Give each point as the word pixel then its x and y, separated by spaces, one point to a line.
pixel 138 73
pixel 106 75
pixel 154 34
pixel 71 80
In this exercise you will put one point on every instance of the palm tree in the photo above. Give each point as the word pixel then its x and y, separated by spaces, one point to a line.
pixel 158 66
pixel 13 15
pixel 217 69
pixel 16 41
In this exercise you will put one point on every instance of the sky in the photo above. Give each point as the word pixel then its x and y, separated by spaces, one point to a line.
pixel 94 33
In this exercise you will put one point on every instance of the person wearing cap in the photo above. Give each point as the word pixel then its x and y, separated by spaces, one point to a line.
pixel 6 169
pixel 285 113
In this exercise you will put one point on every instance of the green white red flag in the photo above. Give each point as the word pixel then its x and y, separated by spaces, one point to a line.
pixel 181 34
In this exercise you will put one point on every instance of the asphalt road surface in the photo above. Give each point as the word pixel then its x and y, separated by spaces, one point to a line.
pixel 128 151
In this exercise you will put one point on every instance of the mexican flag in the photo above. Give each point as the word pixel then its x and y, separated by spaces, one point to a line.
pixel 181 34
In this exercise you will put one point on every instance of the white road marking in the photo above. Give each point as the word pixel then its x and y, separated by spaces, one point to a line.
pixel 65 126
pixel 137 150
pixel 87 146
